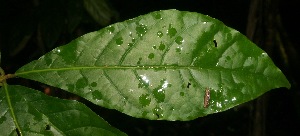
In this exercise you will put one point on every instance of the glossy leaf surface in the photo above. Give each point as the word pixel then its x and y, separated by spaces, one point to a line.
pixel 28 112
pixel 158 66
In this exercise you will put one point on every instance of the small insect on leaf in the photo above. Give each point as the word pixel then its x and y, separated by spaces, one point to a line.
pixel 206 97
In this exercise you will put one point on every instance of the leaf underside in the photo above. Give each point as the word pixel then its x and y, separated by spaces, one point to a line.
pixel 39 114
pixel 158 66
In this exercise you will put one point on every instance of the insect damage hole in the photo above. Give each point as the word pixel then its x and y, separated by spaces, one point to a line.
pixel 18 132
pixel 47 127
pixel 157 115
pixel 215 42
pixel 188 85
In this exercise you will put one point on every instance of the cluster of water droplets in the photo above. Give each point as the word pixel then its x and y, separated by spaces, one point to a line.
pixel 141 30
pixel 119 41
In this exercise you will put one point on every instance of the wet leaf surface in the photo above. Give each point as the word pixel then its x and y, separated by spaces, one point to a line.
pixel 159 65
pixel 29 112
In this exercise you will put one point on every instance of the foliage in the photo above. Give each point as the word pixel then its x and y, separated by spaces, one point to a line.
pixel 165 65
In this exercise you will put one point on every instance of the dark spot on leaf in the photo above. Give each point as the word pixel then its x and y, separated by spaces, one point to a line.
pixel 215 42
pixel 144 100
pixel 188 85
pixel 97 94
pixel 144 114
pixel 47 127
pixel 179 40
pixel 18 132
pixel 171 31
pixel 151 56
pixel 159 94
pixel 157 115
pixel 141 30
pixel 139 62
pixel 70 87
pixel 81 83
pixel 119 41
pixel 162 46
pixel 94 84
pixel 69 54
pixel 111 29
pixel 157 16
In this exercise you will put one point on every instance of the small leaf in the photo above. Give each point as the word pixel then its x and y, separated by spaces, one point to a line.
pixel 29 112
pixel 158 66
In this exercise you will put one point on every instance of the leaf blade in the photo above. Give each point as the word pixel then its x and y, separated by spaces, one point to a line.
pixel 157 66
pixel 38 114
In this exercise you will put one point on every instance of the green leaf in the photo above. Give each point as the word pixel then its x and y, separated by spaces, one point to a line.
pixel 30 112
pixel 158 66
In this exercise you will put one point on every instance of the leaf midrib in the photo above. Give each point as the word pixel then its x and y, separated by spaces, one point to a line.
pixel 142 67
pixel 155 67
pixel 11 107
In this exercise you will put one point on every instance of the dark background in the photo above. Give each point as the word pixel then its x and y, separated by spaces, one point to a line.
pixel 30 28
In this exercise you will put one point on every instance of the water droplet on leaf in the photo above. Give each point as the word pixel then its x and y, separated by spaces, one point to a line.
pixel 141 30
pixel 111 29
pixel 145 81
pixel 144 100
pixel 154 47
pixel 157 16
pixel 139 61
pixel 119 41
pixel 158 112
pixel 130 44
pixel 130 34
pixel 97 94
pixel 264 54
pixel 159 94
pixel 228 58
pixel 178 49
pixel 233 99
pixel 160 34
pixel 151 56
pixel 162 46
pixel 171 31
pixel 81 83
pixel 179 40
pixel 94 84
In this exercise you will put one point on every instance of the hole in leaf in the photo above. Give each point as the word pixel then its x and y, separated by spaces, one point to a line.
pixel 157 115
pixel 188 85
pixel 18 132
pixel 47 127
pixel 215 42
